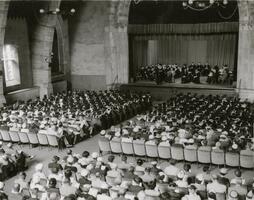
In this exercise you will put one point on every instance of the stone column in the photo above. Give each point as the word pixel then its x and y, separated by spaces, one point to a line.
pixel 116 44
pixel 245 71
pixel 3 18
pixel 41 47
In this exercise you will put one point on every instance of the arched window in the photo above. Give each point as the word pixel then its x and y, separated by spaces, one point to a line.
pixel 11 65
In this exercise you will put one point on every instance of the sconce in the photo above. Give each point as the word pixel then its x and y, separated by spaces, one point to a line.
pixel 48 59
pixel 57 11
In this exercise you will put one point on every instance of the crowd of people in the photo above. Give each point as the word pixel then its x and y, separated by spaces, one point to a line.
pixel 90 176
pixel 216 121
pixel 74 115
pixel 187 73
pixel 12 161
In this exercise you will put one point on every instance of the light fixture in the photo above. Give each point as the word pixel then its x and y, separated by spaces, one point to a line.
pixel 57 11
pixel 200 5
pixel 48 59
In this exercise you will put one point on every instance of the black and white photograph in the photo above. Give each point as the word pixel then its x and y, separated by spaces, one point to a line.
pixel 126 99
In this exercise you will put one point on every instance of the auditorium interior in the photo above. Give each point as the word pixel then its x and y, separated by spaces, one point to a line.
pixel 126 99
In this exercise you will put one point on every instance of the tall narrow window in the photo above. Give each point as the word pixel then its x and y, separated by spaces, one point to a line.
pixel 11 65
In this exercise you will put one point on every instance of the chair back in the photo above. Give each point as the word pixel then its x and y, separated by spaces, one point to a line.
pixel 52 140
pixel 23 137
pixel 127 146
pixel 190 154
pixel 218 157
pixel 151 150
pixel 43 140
pixel 33 138
pixel 232 159
pixel 204 156
pixel 104 145
pixel 14 135
pixel 115 145
pixel 177 152
pixel 164 151
pixel 247 159
pixel 5 135
pixel 139 147
pixel 220 196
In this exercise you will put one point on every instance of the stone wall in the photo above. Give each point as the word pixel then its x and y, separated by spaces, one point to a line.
pixel 87 35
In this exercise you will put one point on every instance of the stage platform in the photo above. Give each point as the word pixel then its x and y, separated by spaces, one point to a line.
pixel 165 90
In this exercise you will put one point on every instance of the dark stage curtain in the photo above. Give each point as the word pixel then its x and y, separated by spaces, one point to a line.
pixel 216 49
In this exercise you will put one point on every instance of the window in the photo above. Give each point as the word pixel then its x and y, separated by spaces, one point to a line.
pixel 11 65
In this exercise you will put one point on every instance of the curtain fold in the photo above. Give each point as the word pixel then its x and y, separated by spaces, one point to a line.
pixel 205 28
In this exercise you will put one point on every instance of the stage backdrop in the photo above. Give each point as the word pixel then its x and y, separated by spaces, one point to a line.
pixel 210 44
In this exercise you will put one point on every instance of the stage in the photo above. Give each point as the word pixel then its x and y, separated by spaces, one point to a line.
pixel 165 90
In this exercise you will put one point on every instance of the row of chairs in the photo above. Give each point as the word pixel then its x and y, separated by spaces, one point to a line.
pixel 163 150
pixel 26 137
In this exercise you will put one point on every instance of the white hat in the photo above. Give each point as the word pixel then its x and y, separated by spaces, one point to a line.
pixel 164 138
pixel 151 137
pixel 39 167
pixel 180 175
pixel 9 145
pixel 103 132
pixel 234 146
pixel 117 134
pixel 84 172
pixel 70 159
pixel 99 159
pixel 125 132
pixel 153 163
pixel 135 129
pixel 89 167
pixel 94 155
pixel 223 170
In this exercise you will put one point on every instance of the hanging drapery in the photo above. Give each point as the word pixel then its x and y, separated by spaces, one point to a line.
pixel 205 28
pixel 216 49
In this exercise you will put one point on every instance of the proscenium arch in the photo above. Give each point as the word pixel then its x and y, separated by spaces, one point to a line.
pixel 119 19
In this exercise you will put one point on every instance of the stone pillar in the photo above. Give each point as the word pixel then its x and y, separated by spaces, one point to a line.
pixel 245 71
pixel 116 44
pixel 41 47
pixel 3 18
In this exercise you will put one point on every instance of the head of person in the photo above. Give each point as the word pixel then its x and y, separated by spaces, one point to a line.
pixel 22 175
pixel 111 158
pixel 85 154
pixel 52 182
pixel 140 162
pixel 187 167
pixel 238 173
pixel 192 189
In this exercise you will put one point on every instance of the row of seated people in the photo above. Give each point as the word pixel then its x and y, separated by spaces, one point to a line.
pixel 73 116
pixel 188 73
pixel 165 145
pixel 89 176
pixel 12 161
pixel 216 121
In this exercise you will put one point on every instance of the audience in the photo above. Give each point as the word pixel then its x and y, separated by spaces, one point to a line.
pixel 192 73
pixel 11 164
pixel 73 116
pixel 194 121
pixel 103 178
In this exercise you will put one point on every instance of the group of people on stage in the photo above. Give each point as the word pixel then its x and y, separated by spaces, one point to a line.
pixel 74 115
pixel 187 73
pixel 90 176
pixel 12 161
